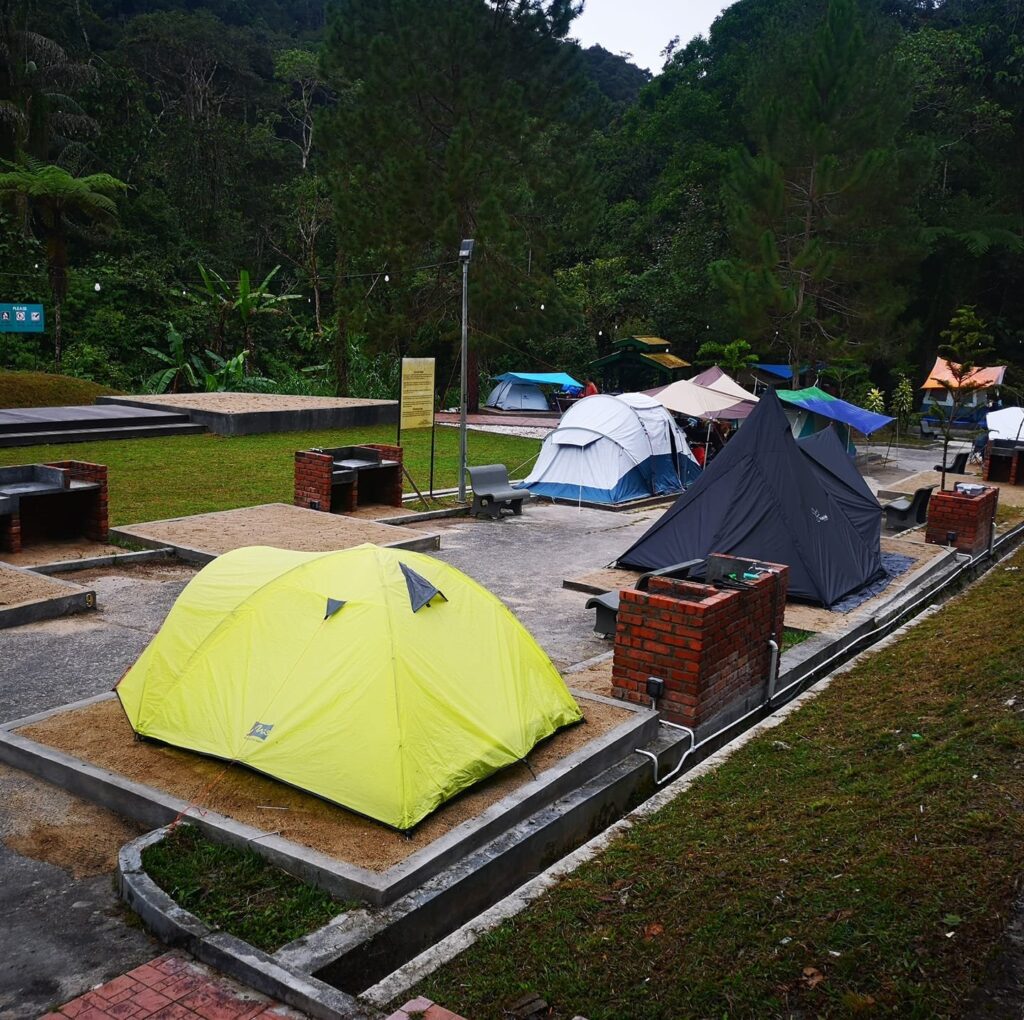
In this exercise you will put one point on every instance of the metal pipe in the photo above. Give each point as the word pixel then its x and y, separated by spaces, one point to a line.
pixel 464 380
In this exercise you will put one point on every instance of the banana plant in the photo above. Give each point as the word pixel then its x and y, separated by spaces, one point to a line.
pixel 179 366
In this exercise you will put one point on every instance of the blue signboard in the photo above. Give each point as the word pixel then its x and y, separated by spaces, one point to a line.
pixel 21 318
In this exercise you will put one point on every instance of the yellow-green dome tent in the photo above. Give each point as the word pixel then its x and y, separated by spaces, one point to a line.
pixel 383 680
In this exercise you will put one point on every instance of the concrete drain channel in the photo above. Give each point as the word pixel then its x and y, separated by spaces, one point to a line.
pixel 439 887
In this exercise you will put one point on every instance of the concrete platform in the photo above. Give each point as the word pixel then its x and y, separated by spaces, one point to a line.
pixel 246 414
pixel 37 744
pixel 26 597
pixel 203 537
pixel 30 426
pixel 800 616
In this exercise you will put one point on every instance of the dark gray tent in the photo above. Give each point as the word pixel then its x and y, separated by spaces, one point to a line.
pixel 836 471
pixel 764 499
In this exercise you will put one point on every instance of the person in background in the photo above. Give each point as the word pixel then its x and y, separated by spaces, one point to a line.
pixel 590 388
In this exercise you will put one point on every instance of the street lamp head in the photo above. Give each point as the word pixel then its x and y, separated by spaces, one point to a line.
pixel 466 251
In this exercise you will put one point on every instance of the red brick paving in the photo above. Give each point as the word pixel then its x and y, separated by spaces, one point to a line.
pixel 175 987
pixel 423 1009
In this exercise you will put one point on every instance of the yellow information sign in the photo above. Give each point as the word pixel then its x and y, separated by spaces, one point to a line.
pixel 417 408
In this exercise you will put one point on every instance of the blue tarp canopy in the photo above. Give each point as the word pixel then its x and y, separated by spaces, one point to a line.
pixel 819 402
pixel 782 371
pixel 542 379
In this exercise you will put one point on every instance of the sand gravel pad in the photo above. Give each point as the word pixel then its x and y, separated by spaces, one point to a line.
pixel 101 735
pixel 58 552
pixel 275 524
pixel 243 403
pixel 17 587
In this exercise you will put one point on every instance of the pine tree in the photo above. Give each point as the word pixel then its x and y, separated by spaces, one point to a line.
pixel 813 209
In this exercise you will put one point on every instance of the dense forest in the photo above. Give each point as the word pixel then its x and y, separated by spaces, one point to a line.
pixel 271 194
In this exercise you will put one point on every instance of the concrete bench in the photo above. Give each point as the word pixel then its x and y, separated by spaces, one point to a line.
pixel 492 492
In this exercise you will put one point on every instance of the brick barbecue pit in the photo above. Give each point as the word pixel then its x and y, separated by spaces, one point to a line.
pixel 341 479
pixel 61 500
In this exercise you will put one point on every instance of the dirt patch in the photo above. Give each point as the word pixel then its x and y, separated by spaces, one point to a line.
pixel 243 403
pixel 275 524
pixel 596 679
pixel 101 735
pixel 148 570
pixel 47 824
pixel 17 587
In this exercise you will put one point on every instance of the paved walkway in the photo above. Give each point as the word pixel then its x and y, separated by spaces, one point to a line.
pixel 172 987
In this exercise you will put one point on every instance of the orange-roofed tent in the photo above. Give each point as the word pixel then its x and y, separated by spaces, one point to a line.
pixel 980 378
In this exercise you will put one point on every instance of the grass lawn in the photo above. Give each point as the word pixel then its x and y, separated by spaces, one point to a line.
pixel 859 859
pixel 236 890
pixel 175 476
pixel 39 389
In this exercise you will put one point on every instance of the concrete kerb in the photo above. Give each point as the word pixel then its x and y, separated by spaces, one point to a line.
pixel 75 598
pixel 113 560
pixel 154 807
pixel 178 927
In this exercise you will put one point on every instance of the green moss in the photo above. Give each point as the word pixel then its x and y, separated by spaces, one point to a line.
pixel 39 389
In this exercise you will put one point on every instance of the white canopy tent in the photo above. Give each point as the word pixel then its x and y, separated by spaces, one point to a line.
pixel 685 397
pixel 1006 424
pixel 715 379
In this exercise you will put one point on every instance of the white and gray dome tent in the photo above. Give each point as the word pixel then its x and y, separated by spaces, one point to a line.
pixel 610 449
pixel 521 391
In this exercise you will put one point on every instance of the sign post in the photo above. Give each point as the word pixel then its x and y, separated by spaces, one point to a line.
pixel 416 402
pixel 22 318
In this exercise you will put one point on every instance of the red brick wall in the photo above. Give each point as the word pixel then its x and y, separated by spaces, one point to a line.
pixel 709 646
pixel 97 516
pixel 313 482
pixel 10 533
pixel 313 479
pixel 970 518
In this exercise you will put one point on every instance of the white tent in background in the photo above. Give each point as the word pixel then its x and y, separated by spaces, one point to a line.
pixel 612 449
pixel 685 397
pixel 1006 424
pixel 715 379
pixel 509 395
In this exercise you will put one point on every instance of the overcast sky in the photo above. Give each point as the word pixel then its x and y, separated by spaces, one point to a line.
pixel 644 27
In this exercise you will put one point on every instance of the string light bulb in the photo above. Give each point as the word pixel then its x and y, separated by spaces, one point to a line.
pixel 96 287
pixel 387 279
pixel 542 307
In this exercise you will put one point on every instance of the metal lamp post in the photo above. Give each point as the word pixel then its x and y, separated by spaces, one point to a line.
pixel 465 255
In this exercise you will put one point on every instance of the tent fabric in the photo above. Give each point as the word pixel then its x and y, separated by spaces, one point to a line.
pixel 542 379
pixel 782 371
pixel 980 378
pixel 761 498
pixel 817 401
pixel 509 395
pixel 838 474
pixel 715 379
pixel 1007 423
pixel 685 397
pixel 611 449
pixel 383 710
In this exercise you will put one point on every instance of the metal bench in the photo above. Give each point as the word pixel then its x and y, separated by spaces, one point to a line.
pixel 492 492
pixel 959 465
pixel 607 605
pixel 905 513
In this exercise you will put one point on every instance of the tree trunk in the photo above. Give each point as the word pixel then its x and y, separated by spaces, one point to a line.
pixel 339 352
pixel 57 256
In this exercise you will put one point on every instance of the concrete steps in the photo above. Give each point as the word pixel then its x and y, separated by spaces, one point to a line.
pixel 29 426
pixel 96 434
